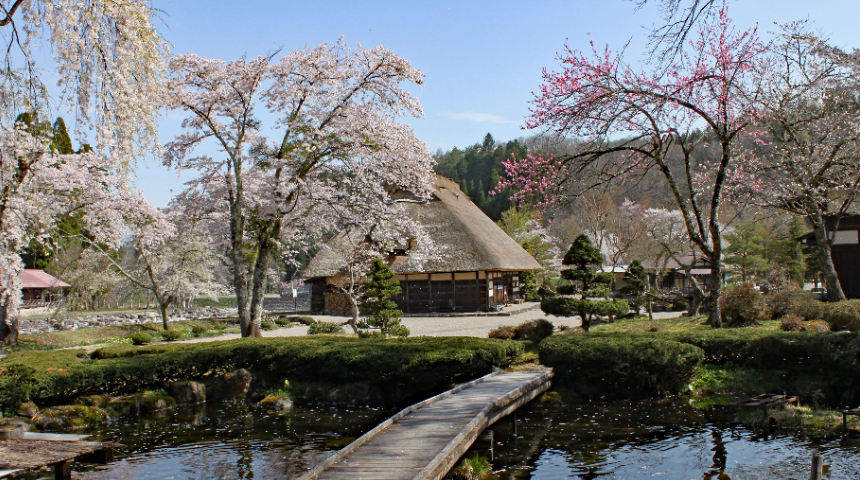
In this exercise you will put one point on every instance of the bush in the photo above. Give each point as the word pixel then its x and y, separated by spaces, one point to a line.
pixel 412 366
pixel 533 330
pixel 809 307
pixel 785 302
pixel 171 335
pixel 792 323
pixel 198 330
pixel 267 326
pixel 324 327
pixel 303 320
pixel 679 305
pixel 283 322
pixel 741 305
pixel 843 315
pixel 817 326
pixel 140 338
pixel 503 333
pixel 621 364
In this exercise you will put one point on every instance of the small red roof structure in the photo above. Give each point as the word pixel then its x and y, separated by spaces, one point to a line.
pixel 35 278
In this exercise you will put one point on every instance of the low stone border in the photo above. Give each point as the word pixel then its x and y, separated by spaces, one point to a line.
pixel 475 314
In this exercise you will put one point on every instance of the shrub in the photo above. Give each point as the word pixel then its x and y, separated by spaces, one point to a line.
pixel 411 367
pixel 171 335
pixel 198 330
pixel 792 323
pixel 809 307
pixel 267 325
pixel 324 327
pixel 785 302
pixel 741 305
pixel 303 320
pixel 533 330
pixel 503 333
pixel 843 315
pixel 817 326
pixel 283 322
pixel 220 326
pixel 140 338
pixel 679 305
pixel 621 364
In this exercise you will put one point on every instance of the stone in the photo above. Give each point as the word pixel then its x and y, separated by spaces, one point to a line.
pixel 277 403
pixel 127 405
pixel 156 402
pixel 28 409
pixel 187 392
pixel 70 417
pixel 11 432
pixel 100 401
pixel 230 387
pixel 25 423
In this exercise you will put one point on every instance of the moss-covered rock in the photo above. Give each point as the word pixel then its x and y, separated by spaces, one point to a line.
pixel 126 405
pixel 152 403
pixel 277 403
pixel 71 416
pixel 25 423
pixel 28 409
pixel 230 387
pixel 100 401
pixel 187 392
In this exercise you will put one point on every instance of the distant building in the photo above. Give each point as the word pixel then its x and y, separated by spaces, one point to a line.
pixel 678 275
pixel 845 252
pixel 480 269
pixel 39 287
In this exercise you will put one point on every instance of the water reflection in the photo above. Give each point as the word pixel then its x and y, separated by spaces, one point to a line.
pixel 662 439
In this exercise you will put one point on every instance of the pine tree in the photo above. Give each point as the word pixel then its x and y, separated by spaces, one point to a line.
pixel 528 279
pixel 376 301
pixel 585 282
pixel 60 141
pixel 637 285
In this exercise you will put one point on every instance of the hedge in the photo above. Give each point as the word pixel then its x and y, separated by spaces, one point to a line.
pixel 414 364
pixel 620 364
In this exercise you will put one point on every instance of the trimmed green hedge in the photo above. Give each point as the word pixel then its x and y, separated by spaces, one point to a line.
pixel 620 364
pixel 417 364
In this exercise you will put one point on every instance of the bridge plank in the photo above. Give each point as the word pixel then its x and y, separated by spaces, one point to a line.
pixel 424 440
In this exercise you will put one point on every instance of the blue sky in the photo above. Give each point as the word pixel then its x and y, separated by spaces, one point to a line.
pixel 482 58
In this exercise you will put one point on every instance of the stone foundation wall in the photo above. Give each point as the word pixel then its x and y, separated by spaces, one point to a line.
pixel 74 321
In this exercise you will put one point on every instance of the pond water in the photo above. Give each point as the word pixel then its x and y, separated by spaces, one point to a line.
pixel 666 439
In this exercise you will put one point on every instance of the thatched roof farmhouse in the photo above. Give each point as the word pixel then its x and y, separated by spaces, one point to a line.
pixel 480 268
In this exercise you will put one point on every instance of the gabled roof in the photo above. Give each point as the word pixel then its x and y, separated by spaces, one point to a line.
pixel 470 240
pixel 35 278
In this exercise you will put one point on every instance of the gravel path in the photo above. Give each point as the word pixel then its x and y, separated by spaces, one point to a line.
pixel 477 326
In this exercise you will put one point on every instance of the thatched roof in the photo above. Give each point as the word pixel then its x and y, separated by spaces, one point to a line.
pixel 470 240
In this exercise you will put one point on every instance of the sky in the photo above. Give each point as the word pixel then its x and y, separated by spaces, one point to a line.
pixel 482 59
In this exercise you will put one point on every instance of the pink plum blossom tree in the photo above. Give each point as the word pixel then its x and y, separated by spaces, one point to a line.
pixel 333 151
pixel 629 122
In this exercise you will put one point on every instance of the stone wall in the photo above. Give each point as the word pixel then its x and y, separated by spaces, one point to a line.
pixel 74 321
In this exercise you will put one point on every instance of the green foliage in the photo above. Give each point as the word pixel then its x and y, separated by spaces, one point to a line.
pixel 746 250
pixel 478 169
pixel 528 284
pixel 376 301
pixel 171 335
pixel 413 365
pixel 222 302
pixel 60 141
pixel 140 338
pixel 198 330
pixel 586 282
pixel 322 328
pixel 268 326
pixel 470 468
pixel 843 315
pixel 742 304
pixel 303 320
pixel 635 290
pixel 620 364
pixel 534 330
pixel 283 322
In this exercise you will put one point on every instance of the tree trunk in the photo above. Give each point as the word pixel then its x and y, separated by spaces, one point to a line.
pixel 8 327
pixel 825 260
pixel 353 322
pixel 163 307
pixel 715 318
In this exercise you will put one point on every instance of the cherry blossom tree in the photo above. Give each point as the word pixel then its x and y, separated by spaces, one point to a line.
pixel 109 60
pixel 807 161
pixel 174 263
pixel 696 109
pixel 336 150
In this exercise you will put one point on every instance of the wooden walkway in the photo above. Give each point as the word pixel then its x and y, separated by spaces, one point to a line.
pixel 35 450
pixel 424 441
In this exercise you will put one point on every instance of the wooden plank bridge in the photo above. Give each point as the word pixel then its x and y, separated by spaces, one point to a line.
pixel 425 440
pixel 30 451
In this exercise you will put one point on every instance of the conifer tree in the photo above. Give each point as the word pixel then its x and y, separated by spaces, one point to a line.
pixel 377 302
pixel 60 141
pixel 528 279
pixel 637 285
pixel 586 286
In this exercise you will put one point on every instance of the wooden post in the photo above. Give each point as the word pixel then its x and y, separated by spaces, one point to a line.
pixel 844 423
pixel 817 468
pixel 63 471
pixel 484 444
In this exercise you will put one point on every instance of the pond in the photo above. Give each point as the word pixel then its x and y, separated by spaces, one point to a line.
pixel 666 439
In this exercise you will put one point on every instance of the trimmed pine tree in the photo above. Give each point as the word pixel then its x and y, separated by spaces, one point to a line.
pixel 377 302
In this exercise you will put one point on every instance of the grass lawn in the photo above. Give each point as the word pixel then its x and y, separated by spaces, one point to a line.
pixel 672 325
